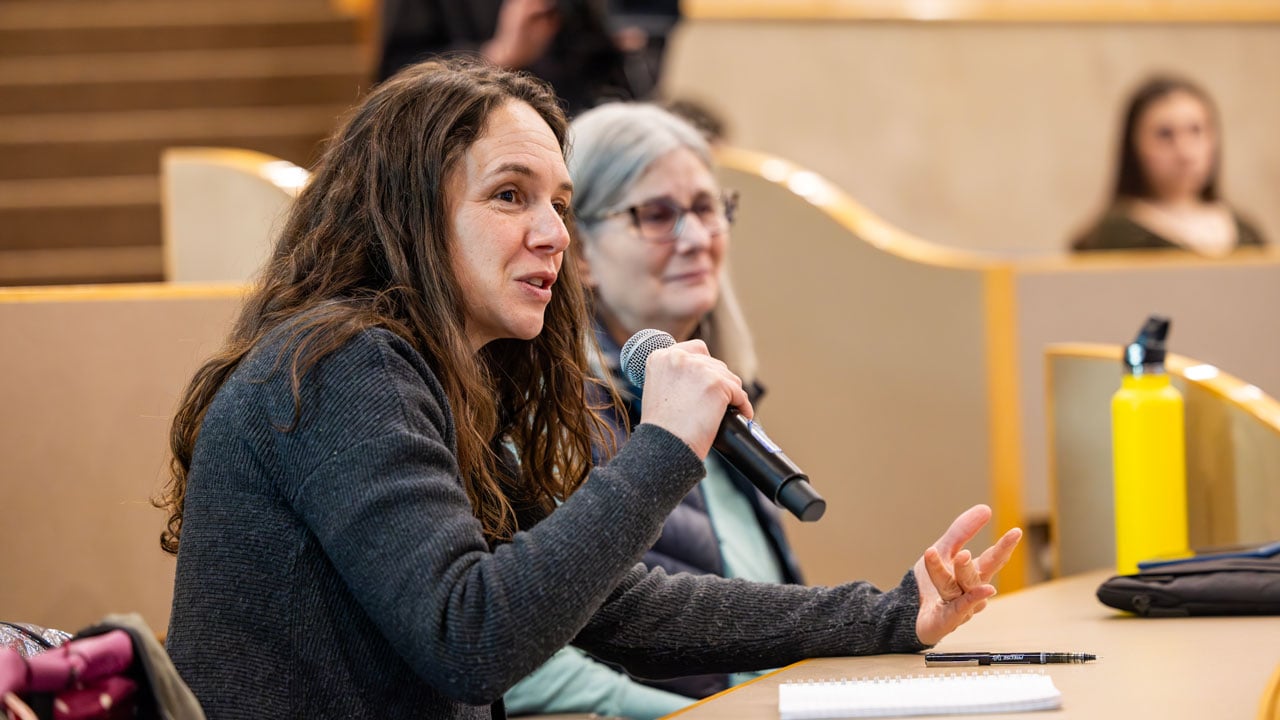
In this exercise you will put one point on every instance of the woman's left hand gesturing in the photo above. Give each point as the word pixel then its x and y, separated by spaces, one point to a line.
pixel 954 585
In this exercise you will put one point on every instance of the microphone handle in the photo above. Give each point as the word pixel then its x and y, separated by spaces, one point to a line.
pixel 744 445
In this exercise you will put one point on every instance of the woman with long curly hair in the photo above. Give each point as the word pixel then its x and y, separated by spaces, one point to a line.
pixel 383 502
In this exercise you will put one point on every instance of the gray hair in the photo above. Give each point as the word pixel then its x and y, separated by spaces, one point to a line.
pixel 611 148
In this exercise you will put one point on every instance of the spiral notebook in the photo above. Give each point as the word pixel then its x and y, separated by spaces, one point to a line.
pixel 932 694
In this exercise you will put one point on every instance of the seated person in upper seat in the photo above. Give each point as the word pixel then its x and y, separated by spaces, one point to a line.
pixel 383 500
pixel 1167 191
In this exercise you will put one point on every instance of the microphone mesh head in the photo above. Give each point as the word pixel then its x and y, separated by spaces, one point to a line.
pixel 636 352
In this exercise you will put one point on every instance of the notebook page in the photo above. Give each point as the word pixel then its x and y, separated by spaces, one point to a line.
pixel 931 694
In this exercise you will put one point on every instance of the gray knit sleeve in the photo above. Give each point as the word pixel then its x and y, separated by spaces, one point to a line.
pixel 659 625
pixel 378 485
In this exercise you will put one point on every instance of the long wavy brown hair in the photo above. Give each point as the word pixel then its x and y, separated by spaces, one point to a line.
pixel 367 245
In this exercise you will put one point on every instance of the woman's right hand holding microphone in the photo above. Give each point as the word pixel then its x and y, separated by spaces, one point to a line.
pixel 687 392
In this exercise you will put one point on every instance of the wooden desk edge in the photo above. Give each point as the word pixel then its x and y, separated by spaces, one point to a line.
pixel 726 691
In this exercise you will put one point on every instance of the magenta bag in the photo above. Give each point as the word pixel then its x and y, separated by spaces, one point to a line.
pixel 85 678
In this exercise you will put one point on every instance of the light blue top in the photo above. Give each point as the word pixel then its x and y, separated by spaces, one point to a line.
pixel 571 681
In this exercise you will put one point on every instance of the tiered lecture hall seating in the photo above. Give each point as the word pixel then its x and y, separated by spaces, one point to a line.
pixel 897 374
pixel 91 92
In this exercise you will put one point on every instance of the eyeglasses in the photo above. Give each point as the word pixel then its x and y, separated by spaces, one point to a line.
pixel 662 220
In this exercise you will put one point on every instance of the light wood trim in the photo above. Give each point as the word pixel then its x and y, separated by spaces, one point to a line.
pixel 1051 463
pixel 281 173
pixel 138 291
pixel 1127 259
pixel 1270 706
pixel 846 211
pixel 1245 396
pixel 1005 433
pixel 987 11
pixel 355 8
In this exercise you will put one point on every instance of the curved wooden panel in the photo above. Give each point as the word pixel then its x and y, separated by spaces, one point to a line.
pixel 1269 708
pixel 1233 454
pixel 849 213
pixel 875 347
pixel 222 208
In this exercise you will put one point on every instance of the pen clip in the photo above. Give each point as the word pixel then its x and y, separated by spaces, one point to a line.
pixel 953 660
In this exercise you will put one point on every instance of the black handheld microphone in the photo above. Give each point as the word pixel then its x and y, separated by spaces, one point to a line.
pixel 741 442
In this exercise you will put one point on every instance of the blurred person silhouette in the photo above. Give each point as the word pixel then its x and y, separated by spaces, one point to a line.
pixel 707 121
pixel 1167 192
pixel 641 29
pixel 568 43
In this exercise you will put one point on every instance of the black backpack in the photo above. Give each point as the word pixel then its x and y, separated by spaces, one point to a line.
pixel 1225 586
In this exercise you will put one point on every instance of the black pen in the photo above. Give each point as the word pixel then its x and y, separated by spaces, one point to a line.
pixel 983 658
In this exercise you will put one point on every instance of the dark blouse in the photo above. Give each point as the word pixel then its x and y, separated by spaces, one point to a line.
pixel 1117 231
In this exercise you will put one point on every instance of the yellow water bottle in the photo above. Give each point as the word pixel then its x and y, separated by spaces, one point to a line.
pixel 1148 451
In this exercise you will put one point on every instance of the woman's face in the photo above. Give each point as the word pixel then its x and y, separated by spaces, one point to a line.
pixel 644 280
pixel 508 197
pixel 1176 145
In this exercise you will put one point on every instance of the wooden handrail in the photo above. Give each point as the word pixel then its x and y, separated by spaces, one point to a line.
pixel 1236 392
pixel 136 291
pixel 843 209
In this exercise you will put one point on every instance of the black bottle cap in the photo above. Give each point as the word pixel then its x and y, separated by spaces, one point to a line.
pixel 1146 353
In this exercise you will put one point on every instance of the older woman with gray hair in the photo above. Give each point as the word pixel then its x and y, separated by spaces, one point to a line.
pixel 652 240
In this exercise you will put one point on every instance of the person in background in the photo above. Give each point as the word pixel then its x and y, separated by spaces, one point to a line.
pixel 641 29
pixel 383 498
pixel 1167 192
pixel 702 117
pixel 652 238
pixel 568 43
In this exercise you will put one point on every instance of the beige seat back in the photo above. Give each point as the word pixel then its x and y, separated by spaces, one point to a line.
pixel 873 349
pixel 222 211
pixel 91 377
pixel 1233 455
